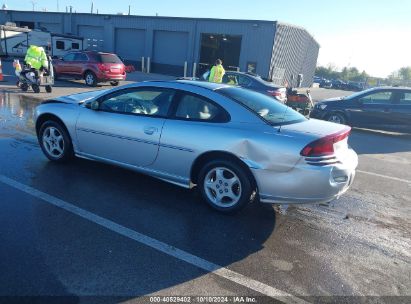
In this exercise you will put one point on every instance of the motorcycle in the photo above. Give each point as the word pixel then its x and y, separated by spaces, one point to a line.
pixel 29 77
pixel 302 103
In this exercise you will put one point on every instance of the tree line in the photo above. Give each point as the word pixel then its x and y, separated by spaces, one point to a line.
pixel 403 75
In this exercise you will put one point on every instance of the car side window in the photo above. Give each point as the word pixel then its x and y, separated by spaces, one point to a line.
pixel 405 98
pixel 244 81
pixel 230 79
pixel 80 57
pixel 383 97
pixel 149 102
pixel 192 107
pixel 69 57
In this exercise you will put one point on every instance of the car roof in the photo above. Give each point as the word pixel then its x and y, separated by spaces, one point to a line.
pixel 204 84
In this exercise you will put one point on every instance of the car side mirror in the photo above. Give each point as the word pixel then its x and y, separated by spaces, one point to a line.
pixel 94 105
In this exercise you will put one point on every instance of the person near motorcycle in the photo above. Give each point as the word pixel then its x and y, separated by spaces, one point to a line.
pixel 36 60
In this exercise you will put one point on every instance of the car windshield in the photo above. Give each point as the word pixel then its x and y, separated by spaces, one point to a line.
pixel 274 112
pixel 109 58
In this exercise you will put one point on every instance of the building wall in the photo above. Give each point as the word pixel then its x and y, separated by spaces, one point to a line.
pixel 170 42
pixel 294 52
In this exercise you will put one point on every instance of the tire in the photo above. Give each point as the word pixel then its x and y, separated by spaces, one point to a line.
pixel 337 118
pixel 35 88
pixel 214 185
pixel 114 83
pixel 90 79
pixel 55 142
pixel 24 87
pixel 49 89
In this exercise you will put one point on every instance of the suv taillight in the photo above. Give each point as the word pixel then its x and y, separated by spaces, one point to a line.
pixel 325 145
pixel 102 67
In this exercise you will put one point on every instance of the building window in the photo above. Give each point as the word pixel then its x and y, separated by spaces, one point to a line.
pixel 75 45
pixel 60 45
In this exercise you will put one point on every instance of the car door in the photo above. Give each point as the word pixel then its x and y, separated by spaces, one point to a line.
pixel 195 123
pixel 401 110
pixel 374 109
pixel 126 127
pixel 80 60
pixel 66 64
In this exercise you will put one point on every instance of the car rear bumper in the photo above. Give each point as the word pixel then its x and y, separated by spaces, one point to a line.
pixel 102 77
pixel 307 183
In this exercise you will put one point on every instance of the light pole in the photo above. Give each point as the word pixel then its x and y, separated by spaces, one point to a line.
pixel 33 3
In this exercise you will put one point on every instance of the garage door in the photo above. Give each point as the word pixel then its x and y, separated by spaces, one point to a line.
pixel 170 52
pixel 93 36
pixel 130 43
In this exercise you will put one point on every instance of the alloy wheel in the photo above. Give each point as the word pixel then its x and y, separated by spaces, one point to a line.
pixel 223 187
pixel 53 142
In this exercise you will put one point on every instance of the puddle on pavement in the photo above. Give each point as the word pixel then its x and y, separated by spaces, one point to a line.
pixel 16 114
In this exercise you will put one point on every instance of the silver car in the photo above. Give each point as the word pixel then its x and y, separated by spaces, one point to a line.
pixel 234 144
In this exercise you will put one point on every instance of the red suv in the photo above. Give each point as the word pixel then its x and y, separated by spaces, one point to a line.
pixel 93 67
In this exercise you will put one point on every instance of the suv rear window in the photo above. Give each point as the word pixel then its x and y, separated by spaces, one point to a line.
pixel 273 112
pixel 108 58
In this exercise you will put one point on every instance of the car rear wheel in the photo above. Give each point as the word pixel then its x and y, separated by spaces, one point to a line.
pixel 225 186
pixel 337 118
pixel 114 83
pixel 55 141
pixel 90 79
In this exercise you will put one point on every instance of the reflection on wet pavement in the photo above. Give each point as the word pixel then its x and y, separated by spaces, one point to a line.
pixel 16 115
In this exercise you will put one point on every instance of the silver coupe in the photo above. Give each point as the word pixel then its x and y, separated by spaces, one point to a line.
pixel 234 144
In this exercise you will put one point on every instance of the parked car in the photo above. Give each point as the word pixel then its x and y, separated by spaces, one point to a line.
pixel 255 83
pixel 338 84
pixel 233 144
pixel 376 108
pixel 93 67
pixel 353 86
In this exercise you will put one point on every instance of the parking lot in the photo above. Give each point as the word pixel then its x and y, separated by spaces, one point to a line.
pixel 95 233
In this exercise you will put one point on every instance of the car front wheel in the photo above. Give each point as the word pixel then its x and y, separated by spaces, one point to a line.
pixel 225 186
pixel 55 141
pixel 337 118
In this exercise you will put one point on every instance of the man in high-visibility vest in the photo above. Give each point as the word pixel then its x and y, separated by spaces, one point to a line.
pixel 36 57
pixel 217 72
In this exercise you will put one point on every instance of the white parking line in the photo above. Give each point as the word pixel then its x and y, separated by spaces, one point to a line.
pixel 385 176
pixel 158 245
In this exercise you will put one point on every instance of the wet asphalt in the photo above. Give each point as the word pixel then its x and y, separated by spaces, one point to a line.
pixel 358 245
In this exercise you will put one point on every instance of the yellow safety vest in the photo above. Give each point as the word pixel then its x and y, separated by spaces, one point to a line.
pixel 36 57
pixel 216 74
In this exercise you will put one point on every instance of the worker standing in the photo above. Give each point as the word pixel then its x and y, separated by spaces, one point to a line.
pixel 36 58
pixel 217 72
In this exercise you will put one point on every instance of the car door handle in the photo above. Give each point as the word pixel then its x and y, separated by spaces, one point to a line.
pixel 150 130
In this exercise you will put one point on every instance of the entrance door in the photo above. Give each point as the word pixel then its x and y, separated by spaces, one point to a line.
pixel 219 46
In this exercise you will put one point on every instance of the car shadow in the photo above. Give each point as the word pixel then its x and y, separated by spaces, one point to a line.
pixel 170 214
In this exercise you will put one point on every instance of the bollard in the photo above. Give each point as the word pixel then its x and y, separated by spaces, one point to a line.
pixel 194 70
pixel 185 69
pixel 148 64
pixel 142 64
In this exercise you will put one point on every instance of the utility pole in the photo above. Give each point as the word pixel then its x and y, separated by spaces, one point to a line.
pixel 92 5
pixel 129 8
pixel 33 3
pixel 58 6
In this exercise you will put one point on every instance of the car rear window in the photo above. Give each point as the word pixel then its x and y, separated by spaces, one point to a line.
pixel 108 58
pixel 273 112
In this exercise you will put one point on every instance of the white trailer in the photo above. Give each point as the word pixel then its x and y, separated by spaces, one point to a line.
pixel 14 41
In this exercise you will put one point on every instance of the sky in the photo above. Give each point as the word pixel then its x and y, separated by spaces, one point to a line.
pixel 372 35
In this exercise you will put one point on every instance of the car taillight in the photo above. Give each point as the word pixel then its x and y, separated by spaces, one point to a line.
pixel 102 67
pixel 325 145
